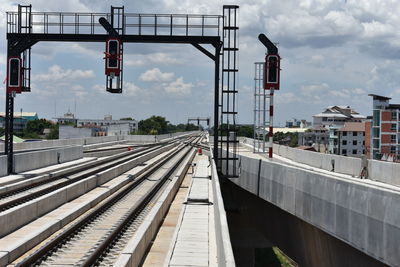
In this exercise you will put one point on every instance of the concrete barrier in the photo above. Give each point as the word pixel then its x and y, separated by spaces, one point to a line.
pixel 224 247
pixel 3 165
pixel 340 164
pixel 91 140
pixel 54 151
pixel 43 158
pixel 136 248
pixel 21 215
pixel 362 215
pixel 386 172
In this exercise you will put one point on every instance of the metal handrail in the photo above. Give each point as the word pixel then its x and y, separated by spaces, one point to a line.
pixel 59 22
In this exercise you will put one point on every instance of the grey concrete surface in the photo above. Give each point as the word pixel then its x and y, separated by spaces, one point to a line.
pixel 42 158
pixel 224 247
pixel 3 165
pixel 257 225
pixel 137 246
pixel 90 141
pixel 362 215
pixel 16 217
pixel 381 171
pixel 386 172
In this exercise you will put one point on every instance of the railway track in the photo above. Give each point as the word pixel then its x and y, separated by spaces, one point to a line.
pixel 97 237
pixel 23 194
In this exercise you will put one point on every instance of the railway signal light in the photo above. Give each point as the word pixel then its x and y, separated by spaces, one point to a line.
pixel 272 71
pixel 113 57
pixel 14 75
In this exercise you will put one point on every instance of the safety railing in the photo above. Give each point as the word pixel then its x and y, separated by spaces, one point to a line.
pixel 134 24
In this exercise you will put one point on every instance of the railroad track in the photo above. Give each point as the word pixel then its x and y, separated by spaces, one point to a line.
pixel 97 237
pixel 32 191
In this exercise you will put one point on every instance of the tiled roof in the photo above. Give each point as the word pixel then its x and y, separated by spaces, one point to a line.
pixel 353 127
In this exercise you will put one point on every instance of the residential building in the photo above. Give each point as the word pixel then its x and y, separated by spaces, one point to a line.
pixel 333 135
pixel 69 118
pixel 20 120
pixel 29 116
pixel 336 115
pixel 318 138
pixel 385 137
pixel 19 123
pixel 108 125
pixel 295 123
pixel 333 118
pixel 351 139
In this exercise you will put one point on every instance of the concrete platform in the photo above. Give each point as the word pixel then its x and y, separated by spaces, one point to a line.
pixel 190 234
pixel 14 178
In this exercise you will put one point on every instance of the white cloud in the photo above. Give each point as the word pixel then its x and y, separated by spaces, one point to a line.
pixel 152 58
pixel 314 88
pixel 130 89
pixel 179 87
pixel 155 75
pixel 286 98
pixel 3 59
pixel 57 74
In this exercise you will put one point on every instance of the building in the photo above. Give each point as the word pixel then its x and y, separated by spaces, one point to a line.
pixel 385 138
pixel 19 123
pixel 29 116
pixel 295 123
pixel 93 129
pixel 318 138
pixel 333 118
pixel 69 118
pixel 351 139
pixel 131 124
pixel 20 120
pixel 336 116
pixel 333 143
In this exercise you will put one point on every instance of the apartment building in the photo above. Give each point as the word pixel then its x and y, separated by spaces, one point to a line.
pixel 318 138
pixel 336 116
pixel 385 129
pixel 351 139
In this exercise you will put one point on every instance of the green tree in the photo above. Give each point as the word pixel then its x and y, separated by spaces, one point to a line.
pixel 54 133
pixel 157 123
pixel 294 139
pixel 191 127
pixel 37 126
pixel 127 119
pixel 246 131
pixel 2 131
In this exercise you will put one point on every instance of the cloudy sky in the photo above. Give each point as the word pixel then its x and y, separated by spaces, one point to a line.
pixel 334 52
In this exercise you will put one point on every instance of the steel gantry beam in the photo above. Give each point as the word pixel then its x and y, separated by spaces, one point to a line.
pixel 199 119
pixel 26 28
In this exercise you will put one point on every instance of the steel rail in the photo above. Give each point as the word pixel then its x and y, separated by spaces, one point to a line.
pixel 50 247
pixel 81 174
pixel 133 213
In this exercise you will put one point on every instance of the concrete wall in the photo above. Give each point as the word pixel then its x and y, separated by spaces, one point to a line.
pixel 69 132
pixel 342 164
pixel 91 140
pixel 224 248
pixel 362 215
pixel 256 225
pixel 39 159
pixel 386 172
pixel 3 165
pixel 59 153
